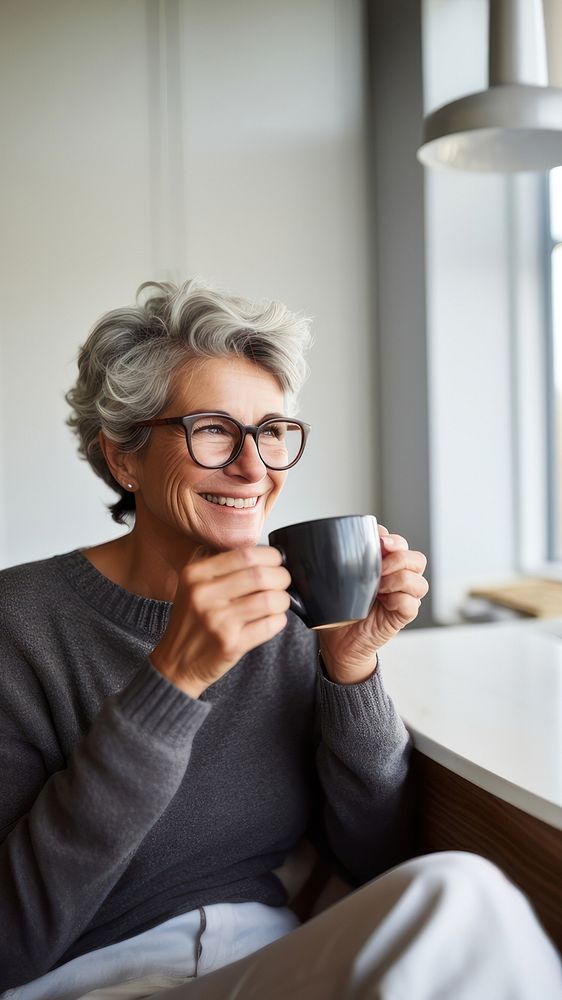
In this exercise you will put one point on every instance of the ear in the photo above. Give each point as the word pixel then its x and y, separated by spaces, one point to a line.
pixel 121 464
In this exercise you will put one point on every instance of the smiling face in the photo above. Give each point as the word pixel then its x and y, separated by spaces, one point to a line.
pixel 172 500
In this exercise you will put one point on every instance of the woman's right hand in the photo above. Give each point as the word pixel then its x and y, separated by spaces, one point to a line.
pixel 225 605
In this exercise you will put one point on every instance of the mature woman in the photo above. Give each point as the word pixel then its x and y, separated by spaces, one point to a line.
pixel 169 731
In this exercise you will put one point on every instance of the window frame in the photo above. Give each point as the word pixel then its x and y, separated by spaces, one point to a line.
pixel 533 383
pixel 554 482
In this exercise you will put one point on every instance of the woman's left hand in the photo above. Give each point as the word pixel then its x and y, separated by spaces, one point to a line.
pixel 349 653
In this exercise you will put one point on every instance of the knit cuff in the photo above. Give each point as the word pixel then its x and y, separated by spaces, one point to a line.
pixel 360 703
pixel 159 707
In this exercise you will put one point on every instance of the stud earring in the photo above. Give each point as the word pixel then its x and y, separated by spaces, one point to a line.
pixel 129 486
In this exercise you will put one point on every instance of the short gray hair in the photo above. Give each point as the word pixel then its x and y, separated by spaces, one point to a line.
pixel 126 366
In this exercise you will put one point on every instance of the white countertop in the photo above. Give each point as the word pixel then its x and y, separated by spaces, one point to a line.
pixel 485 701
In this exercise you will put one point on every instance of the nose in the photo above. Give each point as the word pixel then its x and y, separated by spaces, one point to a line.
pixel 248 465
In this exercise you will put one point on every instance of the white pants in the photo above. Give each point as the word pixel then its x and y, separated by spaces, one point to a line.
pixel 443 927
pixel 165 955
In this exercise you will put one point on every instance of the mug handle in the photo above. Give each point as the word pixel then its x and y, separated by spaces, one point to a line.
pixel 296 604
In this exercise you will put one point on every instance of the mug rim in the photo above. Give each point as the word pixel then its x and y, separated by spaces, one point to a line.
pixel 317 520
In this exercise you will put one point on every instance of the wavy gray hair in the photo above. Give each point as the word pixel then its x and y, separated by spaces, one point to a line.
pixel 126 366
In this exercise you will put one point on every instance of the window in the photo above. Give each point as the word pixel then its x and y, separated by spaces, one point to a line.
pixel 555 249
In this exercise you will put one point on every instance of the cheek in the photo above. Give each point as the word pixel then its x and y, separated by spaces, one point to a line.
pixel 278 483
pixel 166 482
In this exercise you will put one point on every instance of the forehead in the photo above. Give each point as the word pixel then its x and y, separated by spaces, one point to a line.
pixel 231 383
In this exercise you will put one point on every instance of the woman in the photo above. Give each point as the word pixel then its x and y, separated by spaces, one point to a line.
pixel 168 730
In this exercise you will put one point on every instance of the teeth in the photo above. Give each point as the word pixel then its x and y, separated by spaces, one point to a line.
pixel 231 501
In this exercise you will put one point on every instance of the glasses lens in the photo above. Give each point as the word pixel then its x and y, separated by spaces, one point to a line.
pixel 213 440
pixel 279 443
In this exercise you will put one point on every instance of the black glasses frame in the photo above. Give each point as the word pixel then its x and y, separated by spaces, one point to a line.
pixel 254 430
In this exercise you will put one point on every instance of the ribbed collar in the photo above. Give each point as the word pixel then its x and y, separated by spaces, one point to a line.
pixel 121 606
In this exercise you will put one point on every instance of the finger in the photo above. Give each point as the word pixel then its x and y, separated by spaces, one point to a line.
pixel 404 582
pixel 405 607
pixel 258 606
pixel 258 632
pixel 394 542
pixel 229 562
pixel 403 559
pixel 252 580
pixel 382 530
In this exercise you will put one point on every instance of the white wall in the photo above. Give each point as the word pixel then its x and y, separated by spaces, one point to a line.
pixel 233 148
pixel 76 240
pixel 275 205
pixel 553 30
pixel 469 236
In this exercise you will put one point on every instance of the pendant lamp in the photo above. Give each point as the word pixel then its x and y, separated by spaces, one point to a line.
pixel 517 123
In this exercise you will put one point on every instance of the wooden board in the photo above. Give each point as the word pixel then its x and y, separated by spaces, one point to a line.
pixel 529 595
pixel 455 815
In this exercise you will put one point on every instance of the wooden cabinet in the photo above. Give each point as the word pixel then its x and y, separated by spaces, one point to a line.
pixel 456 815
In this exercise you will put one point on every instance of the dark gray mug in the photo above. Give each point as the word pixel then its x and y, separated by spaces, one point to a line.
pixel 335 566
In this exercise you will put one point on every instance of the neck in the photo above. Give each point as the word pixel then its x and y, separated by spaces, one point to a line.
pixel 144 565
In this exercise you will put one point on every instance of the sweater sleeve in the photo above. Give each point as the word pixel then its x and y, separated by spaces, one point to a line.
pixel 60 858
pixel 363 763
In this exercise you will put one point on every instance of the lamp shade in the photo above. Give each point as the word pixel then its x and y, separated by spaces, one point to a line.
pixel 517 123
pixel 506 128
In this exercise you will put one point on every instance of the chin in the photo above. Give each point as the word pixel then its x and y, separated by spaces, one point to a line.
pixel 232 540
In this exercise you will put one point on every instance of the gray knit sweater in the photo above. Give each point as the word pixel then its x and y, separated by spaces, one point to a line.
pixel 125 802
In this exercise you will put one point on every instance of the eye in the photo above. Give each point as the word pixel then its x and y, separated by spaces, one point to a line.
pixel 276 431
pixel 210 429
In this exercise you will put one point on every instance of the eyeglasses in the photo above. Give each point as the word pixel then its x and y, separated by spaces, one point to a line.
pixel 215 440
